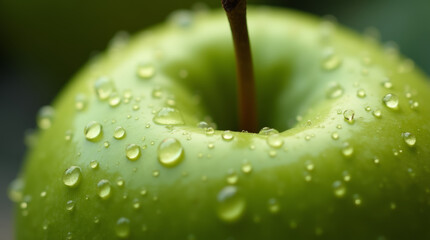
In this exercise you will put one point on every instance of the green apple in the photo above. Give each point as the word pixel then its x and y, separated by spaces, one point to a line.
pixel 129 150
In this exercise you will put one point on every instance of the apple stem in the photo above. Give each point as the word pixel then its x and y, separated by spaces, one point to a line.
pixel 236 14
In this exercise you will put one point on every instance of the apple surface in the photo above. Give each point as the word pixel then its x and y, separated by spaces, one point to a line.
pixel 129 150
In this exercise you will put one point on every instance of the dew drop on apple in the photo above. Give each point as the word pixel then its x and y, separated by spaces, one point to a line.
pixel 357 199
pixel 119 133
pixel 120 182
pixel 136 203
pixel 146 71
pixel 170 152
pixel 80 102
pixel 157 93
pixel 387 84
pixel 93 131
pixel 377 113
pixel 391 101
pixel 15 190
pixel 45 116
pixel 114 99
pixel 232 177
pixel 347 150
pixel 413 104
pixel 335 90
pixel 168 116
pixel 361 93
pixel 210 131
pixel 72 176
pixel 122 227
pixel 349 115
pixel 94 164
pixel 104 189
pixel 268 131
pixel 274 206
pixel 203 125
pixel 132 151
pixel 70 205
pixel 155 173
pixel 331 63
pixel 335 136
pixel 346 176
pixel 68 135
pixel 227 135
pixel 104 87
pixel 309 165
pixel 339 189
pixel 275 140
pixel 246 168
pixel 409 139
pixel 231 205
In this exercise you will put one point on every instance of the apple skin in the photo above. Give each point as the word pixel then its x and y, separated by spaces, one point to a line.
pixel 310 187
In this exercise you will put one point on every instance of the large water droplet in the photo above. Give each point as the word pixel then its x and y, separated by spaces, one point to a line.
pixel 104 87
pixel 275 140
pixel 170 152
pixel 391 101
pixel 45 117
pixel 15 190
pixel 146 71
pixel 168 116
pixel 122 227
pixel 349 115
pixel 227 135
pixel 230 205
pixel 93 131
pixel 274 206
pixel 331 63
pixel 339 189
pixel 104 189
pixel 409 139
pixel 72 176
pixel 335 90
pixel 132 152
pixel 119 133
pixel 268 131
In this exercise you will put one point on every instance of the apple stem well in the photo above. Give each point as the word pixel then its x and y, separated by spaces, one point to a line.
pixel 236 14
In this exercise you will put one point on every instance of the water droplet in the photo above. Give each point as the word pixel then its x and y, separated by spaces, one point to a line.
pixel 335 136
pixel 232 177
pixel 211 145
pixel 339 189
pixel 168 116
pixel 136 203
pixel 331 63
pixel 119 133
pixel 246 168
pixel 376 160
pixel 93 131
pixel 132 152
pixel 72 176
pixel 387 84
pixel 15 190
pixel 122 227
pixel 120 182
pixel 104 87
pixel 227 135
pixel 210 131
pixel 309 166
pixel 409 139
pixel 136 107
pixel 104 189
pixel 334 91
pixel 347 150
pixel 80 102
pixel 68 135
pixel 268 131
pixel 155 173
pixel 361 93
pixel 230 205
pixel 70 205
pixel 274 206
pixel 94 164
pixel 346 176
pixel 170 152
pixel 43 194
pixel 367 108
pixel 275 140
pixel 145 71
pixel 349 115
pixel 106 144
pixel 203 125
pixel 413 104
pixel 157 93
pixel 357 200
pixel 377 113
pixel 391 101
pixel 45 117
pixel 114 99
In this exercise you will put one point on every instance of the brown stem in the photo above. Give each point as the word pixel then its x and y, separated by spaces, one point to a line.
pixel 236 14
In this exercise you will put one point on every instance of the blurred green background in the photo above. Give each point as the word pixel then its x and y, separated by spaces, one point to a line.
pixel 44 42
